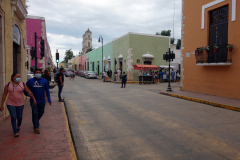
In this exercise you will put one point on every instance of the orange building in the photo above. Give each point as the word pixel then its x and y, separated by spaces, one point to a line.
pixel 213 23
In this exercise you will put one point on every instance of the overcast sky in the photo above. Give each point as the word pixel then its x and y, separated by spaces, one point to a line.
pixel 67 20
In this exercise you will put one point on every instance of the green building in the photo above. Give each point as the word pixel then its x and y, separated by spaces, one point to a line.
pixel 128 50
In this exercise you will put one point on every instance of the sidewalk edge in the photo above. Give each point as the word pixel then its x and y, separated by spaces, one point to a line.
pixel 70 137
pixel 229 107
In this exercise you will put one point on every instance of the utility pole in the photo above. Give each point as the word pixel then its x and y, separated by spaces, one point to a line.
pixel 35 50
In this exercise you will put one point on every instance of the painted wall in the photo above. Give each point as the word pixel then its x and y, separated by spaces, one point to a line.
pixel 9 19
pixel 38 26
pixel 214 80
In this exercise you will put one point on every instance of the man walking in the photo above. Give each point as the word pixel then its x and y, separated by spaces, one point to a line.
pixel 38 86
pixel 172 75
pixel 124 79
pixel 60 81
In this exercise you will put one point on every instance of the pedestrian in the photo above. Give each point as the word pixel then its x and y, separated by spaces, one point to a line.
pixel 172 75
pixel 156 77
pixel 153 77
pixel 38 86
pixel 119 74
pixel 60 80
pixel 54 71
pixel 178 76
pixel 115 74
pixel 124 80
pixel 28 72
pixel 47 76
pixel 110 74
pixel 15 101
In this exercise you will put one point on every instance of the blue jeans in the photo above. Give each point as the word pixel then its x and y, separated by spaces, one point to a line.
pixel 172 79
pixel 60 87
pixel 37 113
pixel 16 114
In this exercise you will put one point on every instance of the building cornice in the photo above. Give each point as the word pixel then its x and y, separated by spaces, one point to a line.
pixel 19 9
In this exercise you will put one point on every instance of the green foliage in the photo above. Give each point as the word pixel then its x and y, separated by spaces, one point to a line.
pixel 49 69
pixel 179 43
pixel 89 50
pixel 68 55
pixel 166 33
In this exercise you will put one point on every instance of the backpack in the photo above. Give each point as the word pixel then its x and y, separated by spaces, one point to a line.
pixel 10 82
pixel 57 78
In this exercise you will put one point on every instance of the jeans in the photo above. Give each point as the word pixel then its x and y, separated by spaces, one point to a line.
pixel 123 84
pixel 172 79
pixel 16 113
pixel 37 113
pixel 60 87
pixel 153 80
pixel 161 78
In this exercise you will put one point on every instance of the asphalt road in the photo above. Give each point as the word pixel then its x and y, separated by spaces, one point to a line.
pixel 136 122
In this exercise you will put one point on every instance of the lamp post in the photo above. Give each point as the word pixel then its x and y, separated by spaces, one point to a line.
pixel 101 40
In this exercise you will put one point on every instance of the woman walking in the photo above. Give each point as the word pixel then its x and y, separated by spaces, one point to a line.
pixel 15 102
pixel 47 76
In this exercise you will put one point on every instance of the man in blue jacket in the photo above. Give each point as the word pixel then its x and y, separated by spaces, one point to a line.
pixel 38 86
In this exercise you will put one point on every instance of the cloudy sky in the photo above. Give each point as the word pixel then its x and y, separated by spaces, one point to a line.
pixel 67 20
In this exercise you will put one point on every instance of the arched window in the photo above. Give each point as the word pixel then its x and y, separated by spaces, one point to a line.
pixel 89 36
pixel 88 44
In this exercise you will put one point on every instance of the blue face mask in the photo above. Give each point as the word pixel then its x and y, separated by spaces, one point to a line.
pixel 38 76
pixel 18 79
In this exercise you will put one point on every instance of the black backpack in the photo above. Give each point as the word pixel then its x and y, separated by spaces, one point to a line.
pixel 57 78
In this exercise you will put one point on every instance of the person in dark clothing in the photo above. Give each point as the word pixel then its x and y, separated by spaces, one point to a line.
pixel 60 84
pixel 110 74
pixel 47 76
pixel 124 79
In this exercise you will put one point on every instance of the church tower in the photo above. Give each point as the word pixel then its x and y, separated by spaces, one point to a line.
pixel 87 41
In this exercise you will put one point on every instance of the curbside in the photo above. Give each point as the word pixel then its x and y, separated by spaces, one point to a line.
pixel 203 101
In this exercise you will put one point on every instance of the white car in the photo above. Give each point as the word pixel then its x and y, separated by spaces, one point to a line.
pixel 68 72
pixel 91 74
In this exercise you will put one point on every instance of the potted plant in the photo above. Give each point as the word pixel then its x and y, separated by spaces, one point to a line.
pixel 207 49
pixel 230 47
pixel 215 47
pixel 201 49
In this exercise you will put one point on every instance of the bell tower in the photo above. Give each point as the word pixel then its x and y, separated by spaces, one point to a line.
pixel 87 41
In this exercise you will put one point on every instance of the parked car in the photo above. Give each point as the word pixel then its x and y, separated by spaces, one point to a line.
pixel 83 73
pixel 29 76
pixel 91 74
pixel 78 72
pixel 68 72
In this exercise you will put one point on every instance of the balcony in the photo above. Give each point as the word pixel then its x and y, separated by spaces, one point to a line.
pixel 221 57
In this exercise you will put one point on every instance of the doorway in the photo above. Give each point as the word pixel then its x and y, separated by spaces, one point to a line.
pixel 218 34
pixel 98 68
pixel 15 58
pixel 92 66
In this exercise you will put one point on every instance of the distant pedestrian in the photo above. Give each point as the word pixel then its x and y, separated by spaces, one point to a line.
pixel 28 72
pixel 54 71
pixel 178 76
pixel 110 74
pixel 161 76
pixel 38 86
pixel 124 79
pixel 47 76
pixel 60 80
pixel 115 74
pixel 153 77
pixel 15 102
pixel 172 75
pixel 119 74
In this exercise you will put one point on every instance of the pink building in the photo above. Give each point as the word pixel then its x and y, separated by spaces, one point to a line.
pixel 82 62
pixel 38 25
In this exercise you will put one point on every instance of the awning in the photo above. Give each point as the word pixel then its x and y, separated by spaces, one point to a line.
pixel 145 67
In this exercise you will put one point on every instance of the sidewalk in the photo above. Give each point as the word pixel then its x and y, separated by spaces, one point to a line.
pixel 54 142
pixel 224 102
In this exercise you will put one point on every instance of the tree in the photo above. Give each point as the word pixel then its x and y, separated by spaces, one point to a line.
pixel 68 55
pixel 166 33
pixel 89 50
pixel 179 43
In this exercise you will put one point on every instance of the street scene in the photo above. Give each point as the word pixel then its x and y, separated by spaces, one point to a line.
pixel 124 80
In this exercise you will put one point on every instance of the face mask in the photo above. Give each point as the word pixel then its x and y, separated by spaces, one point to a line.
pixel 38 76
pixel 18 79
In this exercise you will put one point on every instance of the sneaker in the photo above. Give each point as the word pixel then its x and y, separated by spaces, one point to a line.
pixel 36 130
pixel 61 100
pixel 16 135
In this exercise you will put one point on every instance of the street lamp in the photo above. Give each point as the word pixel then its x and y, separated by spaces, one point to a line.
pixel 101 40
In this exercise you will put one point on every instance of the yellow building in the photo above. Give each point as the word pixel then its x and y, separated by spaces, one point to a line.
pixel 12 43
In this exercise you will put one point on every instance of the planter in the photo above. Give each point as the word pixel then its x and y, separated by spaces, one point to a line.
pixel 200 52
pixel 230 49
pixel 215 50
pixel 207 51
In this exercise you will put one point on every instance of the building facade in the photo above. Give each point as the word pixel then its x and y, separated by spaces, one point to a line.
pixel 212 23
pixel 37 24
pixel 126 51
pixel 13 46
pixel 87 41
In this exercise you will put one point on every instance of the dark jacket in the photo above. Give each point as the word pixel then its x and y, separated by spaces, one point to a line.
pixel 124 78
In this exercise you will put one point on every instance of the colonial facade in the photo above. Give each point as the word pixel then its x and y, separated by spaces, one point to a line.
pixel 87 41
pixel 126 51
pixel 37 24
pixel 214 69
pixel 13 46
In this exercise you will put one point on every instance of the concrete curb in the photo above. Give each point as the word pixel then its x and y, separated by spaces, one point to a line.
pixel 203 101
pixel 70 136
